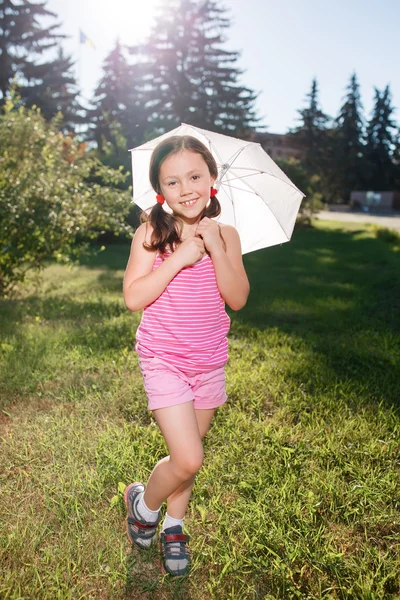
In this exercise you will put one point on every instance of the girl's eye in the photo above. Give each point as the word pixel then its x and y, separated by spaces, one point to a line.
pixel 172 183
pixel 196 177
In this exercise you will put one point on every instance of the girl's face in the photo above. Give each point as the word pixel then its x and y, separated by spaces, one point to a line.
pixel 185 184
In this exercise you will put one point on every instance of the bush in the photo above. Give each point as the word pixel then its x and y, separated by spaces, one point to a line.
pixel 55 195
pixel 312 202
pixel 387 235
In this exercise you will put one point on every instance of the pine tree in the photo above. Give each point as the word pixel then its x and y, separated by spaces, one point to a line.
pixel 349 160
pixel 312 132
pixel 55 90
pixel 24 41
pixel 396 161
pixel 21 37
pixel 187 75
pixel 119 117
pixel 381 143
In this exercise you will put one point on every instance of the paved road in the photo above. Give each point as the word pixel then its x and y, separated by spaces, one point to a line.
pixel 393 222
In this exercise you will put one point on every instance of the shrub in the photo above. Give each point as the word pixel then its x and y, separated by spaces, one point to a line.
pixel 55 195
pixel 387 235
pixel 312 202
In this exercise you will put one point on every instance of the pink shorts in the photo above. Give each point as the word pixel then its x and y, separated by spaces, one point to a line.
pixel 166 385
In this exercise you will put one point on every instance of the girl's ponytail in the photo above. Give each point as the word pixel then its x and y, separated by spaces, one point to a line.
pixel 164 229
pixel 213 209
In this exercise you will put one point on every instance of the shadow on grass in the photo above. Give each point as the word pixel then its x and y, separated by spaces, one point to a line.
pixel 114 257
pixel 318 268
pixel 144 580
pixel 337 291
pixel 86 323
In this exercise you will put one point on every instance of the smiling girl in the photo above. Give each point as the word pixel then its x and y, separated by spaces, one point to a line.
pixel 182 269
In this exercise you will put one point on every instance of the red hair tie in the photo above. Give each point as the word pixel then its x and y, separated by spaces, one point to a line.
pixel 213 192
pixel 160 199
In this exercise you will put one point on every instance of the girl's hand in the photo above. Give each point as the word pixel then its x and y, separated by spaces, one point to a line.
pixel 209 231
pixel 190 251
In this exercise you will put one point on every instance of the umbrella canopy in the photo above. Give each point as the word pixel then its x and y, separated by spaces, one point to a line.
pixel 256 196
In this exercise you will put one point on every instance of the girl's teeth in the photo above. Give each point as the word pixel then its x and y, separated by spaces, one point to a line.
pixel 189 203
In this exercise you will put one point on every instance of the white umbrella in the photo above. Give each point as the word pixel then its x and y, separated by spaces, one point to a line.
pixel 256 196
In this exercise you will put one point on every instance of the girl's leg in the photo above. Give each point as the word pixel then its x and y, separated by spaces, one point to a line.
pixel 178 424
pixel 178 501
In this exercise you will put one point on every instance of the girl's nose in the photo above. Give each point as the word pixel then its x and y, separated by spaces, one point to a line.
pixel 185 189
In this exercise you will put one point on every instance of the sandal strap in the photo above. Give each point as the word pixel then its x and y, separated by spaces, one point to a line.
pixel 176 537
pixel 132 521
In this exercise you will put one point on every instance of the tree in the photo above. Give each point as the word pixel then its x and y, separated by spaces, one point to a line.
pixel 312 131
pixel 309 184
pixel 315 137
pixel 55 196
pixel 380 145
pixel 396 161
pixel 55 91
pixel 118 108
pixel 349 162
pixel 187 76
pixel 23 42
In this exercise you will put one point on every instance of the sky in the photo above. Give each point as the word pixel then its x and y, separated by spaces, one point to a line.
pixel 283 45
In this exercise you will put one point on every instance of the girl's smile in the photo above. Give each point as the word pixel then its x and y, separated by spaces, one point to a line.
pixel 185 183
pixel 189 203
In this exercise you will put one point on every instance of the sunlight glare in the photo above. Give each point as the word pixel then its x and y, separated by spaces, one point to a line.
pixel 129 20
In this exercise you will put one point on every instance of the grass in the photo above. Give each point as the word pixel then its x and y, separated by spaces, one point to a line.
pixel 386 234
pixel 299 493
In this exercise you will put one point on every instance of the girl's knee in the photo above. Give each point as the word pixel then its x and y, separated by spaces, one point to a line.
pixel 189 463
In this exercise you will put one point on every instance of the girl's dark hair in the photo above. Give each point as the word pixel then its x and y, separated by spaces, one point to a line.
pixel 166 229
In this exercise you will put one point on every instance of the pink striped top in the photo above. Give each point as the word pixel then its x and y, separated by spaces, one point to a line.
pixel 187 325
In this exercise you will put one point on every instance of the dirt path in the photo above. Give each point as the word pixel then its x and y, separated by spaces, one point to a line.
pixel 391 221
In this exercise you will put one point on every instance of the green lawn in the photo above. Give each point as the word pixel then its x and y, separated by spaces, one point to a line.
pixel 299 494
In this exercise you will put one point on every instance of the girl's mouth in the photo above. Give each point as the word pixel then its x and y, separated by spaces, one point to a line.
pixel 189 203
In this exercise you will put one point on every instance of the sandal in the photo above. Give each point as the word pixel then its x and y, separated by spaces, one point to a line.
pixel 176 557
pixel 140 532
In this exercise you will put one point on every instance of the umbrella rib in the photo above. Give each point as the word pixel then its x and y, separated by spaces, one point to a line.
pixel 243 176
pixel 228 192
pixel 238 153
pixel 210 143
pixel 257 194
pixel 241 150
pixel 250 190
pixel 248 169
pixel 290 184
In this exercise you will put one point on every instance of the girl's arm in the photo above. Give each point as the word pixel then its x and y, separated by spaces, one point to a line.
pixel 229 270
pixel 228 264
pixel 142 285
